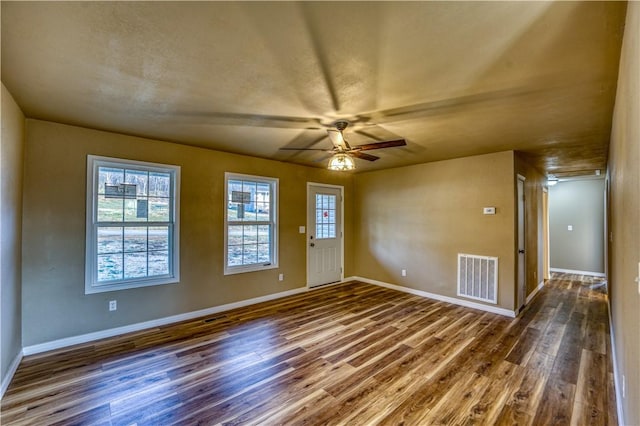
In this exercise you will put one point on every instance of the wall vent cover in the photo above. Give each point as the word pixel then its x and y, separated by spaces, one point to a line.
pixel 478 277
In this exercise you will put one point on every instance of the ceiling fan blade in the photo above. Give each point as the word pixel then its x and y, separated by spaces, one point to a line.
pixel 305 149
pixel 321 54
pixel 447 106
pixel 363 156
pixel 256 120
pixel 306 139
pixel 379 145
pixel 377 133
pixel 322 158
pixel 337 139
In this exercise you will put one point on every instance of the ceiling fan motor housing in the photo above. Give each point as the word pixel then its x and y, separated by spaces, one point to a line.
pixel 341 124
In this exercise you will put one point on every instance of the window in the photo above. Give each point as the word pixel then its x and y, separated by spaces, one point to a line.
pixel 250 223
pixel 325 216
pixel 132 224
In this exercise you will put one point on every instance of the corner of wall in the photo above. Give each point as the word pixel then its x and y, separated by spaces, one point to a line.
pixel 12 142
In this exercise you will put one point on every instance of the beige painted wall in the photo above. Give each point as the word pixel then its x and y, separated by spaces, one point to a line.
pixel 54 302
pixel 534 216
pixel 624 251
pixel 11 168
pixel 420 217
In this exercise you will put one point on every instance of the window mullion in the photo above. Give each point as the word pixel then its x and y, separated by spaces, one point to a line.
pixel 150 224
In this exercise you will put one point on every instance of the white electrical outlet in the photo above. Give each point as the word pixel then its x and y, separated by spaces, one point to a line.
pixel 404 272
pixel 569 227
pixel 113 305
pixel 281 277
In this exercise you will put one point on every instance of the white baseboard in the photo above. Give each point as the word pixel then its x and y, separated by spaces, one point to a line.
pixel 452 300
pixel 10 372
pixel 89 337
pixel 573 271
pixel 535 291
pixel 616 380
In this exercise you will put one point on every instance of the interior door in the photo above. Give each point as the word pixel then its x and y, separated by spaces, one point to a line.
pixel 324 235
pixel 521 245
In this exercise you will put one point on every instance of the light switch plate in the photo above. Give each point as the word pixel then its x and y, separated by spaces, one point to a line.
pixel 301 229
pixel 570 228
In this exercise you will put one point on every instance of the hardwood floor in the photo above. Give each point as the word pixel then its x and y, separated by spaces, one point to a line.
pixel 346 354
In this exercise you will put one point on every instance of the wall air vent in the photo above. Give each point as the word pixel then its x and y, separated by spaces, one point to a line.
pixel 478 277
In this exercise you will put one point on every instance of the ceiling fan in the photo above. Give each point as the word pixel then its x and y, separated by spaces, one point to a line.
pixel 343 153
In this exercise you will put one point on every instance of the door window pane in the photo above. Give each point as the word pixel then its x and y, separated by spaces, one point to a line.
pixel 325 216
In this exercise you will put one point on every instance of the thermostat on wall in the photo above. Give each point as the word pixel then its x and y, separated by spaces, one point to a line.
pixel 489 210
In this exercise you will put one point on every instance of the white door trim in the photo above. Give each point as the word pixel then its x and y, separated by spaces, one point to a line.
pixel 545 222
pixel 521 294
pixel 306 237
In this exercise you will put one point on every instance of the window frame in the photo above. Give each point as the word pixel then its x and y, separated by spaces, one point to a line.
pixel 91 233
pixel 274 184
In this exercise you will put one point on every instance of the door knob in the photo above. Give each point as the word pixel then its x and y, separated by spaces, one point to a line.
pixel 312 244
pixel 521 251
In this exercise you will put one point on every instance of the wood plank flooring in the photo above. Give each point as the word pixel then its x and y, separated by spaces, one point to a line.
pixel 352 354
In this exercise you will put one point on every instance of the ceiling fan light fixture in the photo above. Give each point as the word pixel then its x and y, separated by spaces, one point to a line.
pixel 341 162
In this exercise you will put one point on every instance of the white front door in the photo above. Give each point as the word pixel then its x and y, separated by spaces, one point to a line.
pixel 324 234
